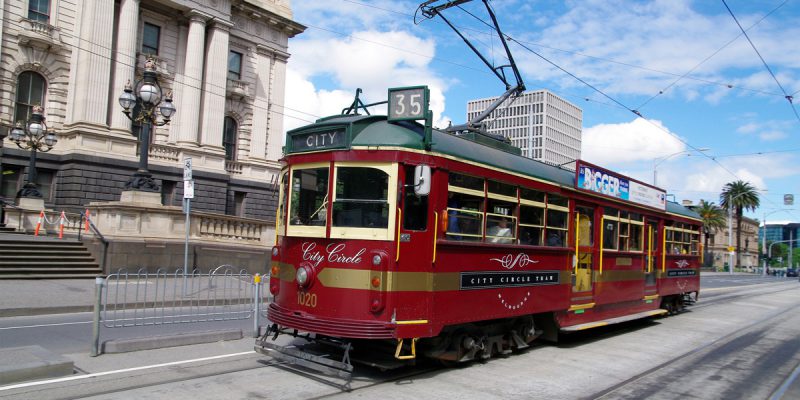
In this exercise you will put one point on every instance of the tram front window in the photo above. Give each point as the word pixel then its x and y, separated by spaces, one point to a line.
pixel 361 198
pixel 309 197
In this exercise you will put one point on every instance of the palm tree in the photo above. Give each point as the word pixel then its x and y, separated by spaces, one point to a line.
pixel 740 195
pixel 713 220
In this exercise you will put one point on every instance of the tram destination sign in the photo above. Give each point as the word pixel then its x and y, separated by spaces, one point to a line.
pixel 598 180
pixel 408 103
pixel 318 140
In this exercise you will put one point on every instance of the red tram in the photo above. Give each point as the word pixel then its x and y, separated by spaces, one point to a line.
pixel 456 247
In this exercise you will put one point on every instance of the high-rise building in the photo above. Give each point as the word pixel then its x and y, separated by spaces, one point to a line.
pixel 546 127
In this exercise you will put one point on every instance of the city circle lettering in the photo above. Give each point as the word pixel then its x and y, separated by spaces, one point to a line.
pixel 334 253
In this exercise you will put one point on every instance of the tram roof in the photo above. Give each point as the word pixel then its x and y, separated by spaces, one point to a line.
pixel 375 130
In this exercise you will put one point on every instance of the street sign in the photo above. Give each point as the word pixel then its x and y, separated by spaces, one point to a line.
pixel 188 189
pixel 731 249
pixel 788 199
pixel 187 169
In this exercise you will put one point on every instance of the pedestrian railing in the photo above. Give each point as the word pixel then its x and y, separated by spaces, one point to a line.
pixel 142 298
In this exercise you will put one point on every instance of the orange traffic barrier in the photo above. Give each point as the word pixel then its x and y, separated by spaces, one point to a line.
pixel 87 221
pixel 39 223
pixel 61 225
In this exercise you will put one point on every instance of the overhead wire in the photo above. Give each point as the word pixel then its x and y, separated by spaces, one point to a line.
pixel 787 95
pixel 660 92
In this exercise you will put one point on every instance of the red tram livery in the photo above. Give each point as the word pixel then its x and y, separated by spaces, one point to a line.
pixel 456 247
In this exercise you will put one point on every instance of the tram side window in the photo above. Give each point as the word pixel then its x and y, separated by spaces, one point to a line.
pixel 636 234
pixel 682 239
pixel 610 229
pixel 464 208
pixel 531 217
pixel 557 220
pixel 501 220
pixel 309 197
pixel 694 239
pixel 361 198
pixel 415 208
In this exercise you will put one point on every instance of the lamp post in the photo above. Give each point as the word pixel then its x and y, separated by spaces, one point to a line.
pixel 660 160
pixel 32 135
pixel 142 103
pixel 764 239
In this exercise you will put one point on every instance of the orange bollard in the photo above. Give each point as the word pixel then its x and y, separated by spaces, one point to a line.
pixel 61 226
pixel 38 224
pixel 87 221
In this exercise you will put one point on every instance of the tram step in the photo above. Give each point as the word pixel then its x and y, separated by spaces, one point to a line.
pixel 610 321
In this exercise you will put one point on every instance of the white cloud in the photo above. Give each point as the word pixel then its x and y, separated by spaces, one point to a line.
pixel 638 140
pixel 369 60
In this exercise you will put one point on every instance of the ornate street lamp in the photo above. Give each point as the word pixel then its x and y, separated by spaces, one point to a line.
pixel 32 135
pixel 142 104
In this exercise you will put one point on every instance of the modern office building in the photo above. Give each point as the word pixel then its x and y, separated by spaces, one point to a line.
pixel 224 61
pixel 781 231
pixel 546 127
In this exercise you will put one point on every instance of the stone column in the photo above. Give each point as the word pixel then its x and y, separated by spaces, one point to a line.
pixel 126 60
pixel 90 65
pixel 191 93
pixel 258 136
pixel 216 78
pixel 277 96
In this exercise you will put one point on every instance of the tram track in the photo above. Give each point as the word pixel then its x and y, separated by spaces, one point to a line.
pixel 619 390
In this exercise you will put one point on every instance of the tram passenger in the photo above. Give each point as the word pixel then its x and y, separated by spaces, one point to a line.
pixel 501 232
pixel 452 218
pixel 554 239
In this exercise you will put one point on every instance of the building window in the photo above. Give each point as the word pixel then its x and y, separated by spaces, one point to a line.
pixel 168 192
pixel 31 88
pixel 234 66
pixel 10 181
pixel 150 38
pixel 39 10
pixel 229 138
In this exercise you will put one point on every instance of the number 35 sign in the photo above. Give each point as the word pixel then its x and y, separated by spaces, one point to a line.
pixel 408 103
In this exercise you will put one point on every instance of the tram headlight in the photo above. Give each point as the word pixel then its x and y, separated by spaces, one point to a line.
pixel 304 276
pixel 376 260
pixel 275 251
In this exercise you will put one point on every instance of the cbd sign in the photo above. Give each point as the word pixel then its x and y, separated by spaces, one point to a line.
pixel 408 103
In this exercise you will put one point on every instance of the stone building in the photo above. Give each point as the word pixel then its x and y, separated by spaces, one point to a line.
pixel 223 60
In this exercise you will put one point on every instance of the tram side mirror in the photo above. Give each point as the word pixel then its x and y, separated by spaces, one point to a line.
pixel 422 180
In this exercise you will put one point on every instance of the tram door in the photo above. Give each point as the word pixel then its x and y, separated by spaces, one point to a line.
pixel 584 244
pixel 415 250
pixel 652 257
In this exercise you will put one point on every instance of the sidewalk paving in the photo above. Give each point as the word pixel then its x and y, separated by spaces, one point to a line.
pixel 45 296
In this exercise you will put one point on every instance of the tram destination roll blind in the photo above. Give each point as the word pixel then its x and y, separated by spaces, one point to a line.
pixel 318 140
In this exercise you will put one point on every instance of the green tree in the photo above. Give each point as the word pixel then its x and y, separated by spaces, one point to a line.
pixel 713 220
pixel 739 196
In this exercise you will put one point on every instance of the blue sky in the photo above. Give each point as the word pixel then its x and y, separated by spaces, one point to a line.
pixel 684 65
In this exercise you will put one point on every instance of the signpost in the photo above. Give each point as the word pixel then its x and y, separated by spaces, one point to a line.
pixel 188 195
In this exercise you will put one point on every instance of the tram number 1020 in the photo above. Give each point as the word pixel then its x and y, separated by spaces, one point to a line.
pixel 307 299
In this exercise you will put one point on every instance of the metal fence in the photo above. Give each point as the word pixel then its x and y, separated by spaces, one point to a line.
pixel 142 298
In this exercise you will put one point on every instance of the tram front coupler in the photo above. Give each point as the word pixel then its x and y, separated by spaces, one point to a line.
pixel 308 353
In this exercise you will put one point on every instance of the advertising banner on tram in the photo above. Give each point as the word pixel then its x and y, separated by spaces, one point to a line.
pixel 595 179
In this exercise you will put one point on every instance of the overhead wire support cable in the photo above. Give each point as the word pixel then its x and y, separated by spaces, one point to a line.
pixel 787 96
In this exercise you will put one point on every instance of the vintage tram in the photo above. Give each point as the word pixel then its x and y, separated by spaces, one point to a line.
pixel 456 247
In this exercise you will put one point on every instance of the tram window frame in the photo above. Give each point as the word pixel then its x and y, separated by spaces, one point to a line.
pixel 626 230
pixel 532 209
pixel 502 200
pixel 683 239
pixel 368 233
pixel 415 207
pixel 465 208
pixel 283 192
pixel 556 220
pixel 307 229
